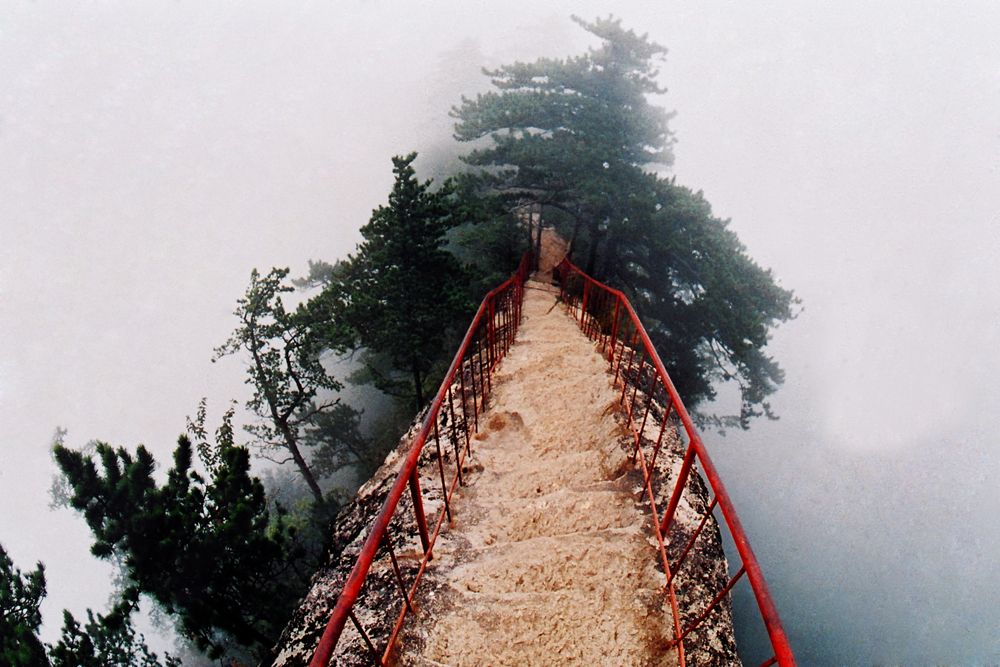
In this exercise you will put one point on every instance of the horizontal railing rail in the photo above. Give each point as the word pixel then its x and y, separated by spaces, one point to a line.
pixel 650 402
pixel 453 416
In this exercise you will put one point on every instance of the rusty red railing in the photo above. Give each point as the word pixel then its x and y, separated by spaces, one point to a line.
pixel 453 417
pixel 606 316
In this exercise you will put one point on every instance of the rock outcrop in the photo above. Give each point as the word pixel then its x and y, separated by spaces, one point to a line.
pixel 550 550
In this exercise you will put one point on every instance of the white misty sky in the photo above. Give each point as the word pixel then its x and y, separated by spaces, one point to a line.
pixel 152 154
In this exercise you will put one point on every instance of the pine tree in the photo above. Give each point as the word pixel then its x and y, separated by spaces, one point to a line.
pixel 573 134
pixel 105 641
pixel 580 136
pixel 284 370
pixel 208 552
pixel 401 292
pixel 20 618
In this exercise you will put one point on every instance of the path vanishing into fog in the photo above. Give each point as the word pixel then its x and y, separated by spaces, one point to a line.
pixel 549 560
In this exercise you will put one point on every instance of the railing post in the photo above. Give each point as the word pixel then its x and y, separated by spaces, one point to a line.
pixel 475 394
pixel 491 336
pixel 440 457
pixel 614 329
pixel 682 478
pixel 454 438
pixel 506 322
pixel 418 510
pixel 583 302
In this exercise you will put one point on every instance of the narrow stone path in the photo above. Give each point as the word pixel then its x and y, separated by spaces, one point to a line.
pixel 549 559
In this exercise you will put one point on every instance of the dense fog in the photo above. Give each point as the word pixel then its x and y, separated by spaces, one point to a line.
pixel 151 155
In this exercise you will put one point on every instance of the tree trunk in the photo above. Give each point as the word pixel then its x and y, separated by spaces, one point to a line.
pixel 418 390
pixel 572 239
pixel 538 241
pixel 610 258
pixel 292 446
pixel 592 254
pixel 248 629
pixel 531 234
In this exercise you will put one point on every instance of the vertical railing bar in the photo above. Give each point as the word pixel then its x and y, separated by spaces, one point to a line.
pixel 663 428
pixel 595 310
pixel 606 337
pixel 399 575
pixel 653 377
pixel 694 538
pixel 595 316
pixel 509 322
pixel 571 299
pixel 631 356
pixel 364 636
pixel 614 331
pixel 454 438
pixel 502 326
pixel 475 392
pixel 619 349
pixel 418 510
pixel 715 603
pixel 489 359
pixel 598 310
pixel 444 484
pixel 491 334
pixel 484 374
pixel 599 317
pixel 465 408
pixel 682 477
pixel 573 302
pixel 635 387
pixel 506 323
pixel 514 321
pixel 661 548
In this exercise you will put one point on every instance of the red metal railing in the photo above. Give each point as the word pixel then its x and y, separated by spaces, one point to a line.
pixel 605 315
pixel 453 416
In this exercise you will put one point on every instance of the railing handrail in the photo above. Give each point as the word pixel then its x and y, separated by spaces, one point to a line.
pixel 377 533
pixel 779 640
